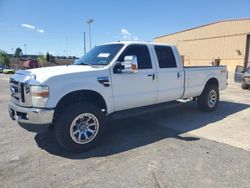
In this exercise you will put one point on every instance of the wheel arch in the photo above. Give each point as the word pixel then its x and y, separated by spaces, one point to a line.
pixel 212 81
pixel 81 96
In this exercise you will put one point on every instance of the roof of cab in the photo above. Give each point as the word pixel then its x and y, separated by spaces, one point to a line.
pixel 138 42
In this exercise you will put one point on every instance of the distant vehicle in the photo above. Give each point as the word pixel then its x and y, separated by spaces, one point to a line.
pixel 114 80
pixel 9 70
pixel 242 76
pixel 2 67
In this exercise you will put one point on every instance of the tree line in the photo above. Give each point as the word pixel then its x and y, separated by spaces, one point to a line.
pixel 5 58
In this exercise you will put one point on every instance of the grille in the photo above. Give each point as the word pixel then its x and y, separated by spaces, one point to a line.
pixel 17 90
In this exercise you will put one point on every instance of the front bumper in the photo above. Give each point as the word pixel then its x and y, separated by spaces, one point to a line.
pixel 30 115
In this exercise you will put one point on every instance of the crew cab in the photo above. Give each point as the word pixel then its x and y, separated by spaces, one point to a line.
pixel 113 80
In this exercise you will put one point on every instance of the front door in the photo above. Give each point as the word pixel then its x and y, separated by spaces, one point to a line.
pixel 132 90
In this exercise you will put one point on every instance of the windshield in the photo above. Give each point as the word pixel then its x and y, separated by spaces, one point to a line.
pixel 100 55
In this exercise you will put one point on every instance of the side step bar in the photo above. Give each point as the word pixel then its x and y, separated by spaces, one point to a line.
pixel 146 109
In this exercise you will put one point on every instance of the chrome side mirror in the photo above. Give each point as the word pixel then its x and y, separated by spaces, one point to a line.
pixel 130 64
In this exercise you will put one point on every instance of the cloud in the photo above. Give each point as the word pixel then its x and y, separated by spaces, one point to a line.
pixel 125 32
pixel 126 35
pixel 28 26
pixel 40 30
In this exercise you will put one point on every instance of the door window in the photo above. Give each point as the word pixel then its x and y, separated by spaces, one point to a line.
pixel 165 57
pixel 142 54
pixel 239 69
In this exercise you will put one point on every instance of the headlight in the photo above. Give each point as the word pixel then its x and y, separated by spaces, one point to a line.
pixel 39 95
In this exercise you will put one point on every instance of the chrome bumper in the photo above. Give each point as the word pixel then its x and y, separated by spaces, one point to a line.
pixel 30 115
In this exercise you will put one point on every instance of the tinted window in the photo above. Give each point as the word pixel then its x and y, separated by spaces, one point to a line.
pixel 142 54
pixel 165 56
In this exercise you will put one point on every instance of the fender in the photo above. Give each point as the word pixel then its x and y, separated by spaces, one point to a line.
pixel 210 76
pixel 58 89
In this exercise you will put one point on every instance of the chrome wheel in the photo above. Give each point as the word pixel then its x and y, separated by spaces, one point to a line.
pixel 84 128
pixel 212 98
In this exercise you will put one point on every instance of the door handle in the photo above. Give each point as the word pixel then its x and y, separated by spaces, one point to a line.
pixel 178 74
pixel 153 76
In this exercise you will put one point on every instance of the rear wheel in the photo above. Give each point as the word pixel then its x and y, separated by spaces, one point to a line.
pixel 209 98
pixel 79 127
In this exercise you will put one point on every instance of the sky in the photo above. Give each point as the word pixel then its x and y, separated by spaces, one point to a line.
pixel 58 27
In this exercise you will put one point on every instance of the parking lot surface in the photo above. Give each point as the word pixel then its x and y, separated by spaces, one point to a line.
pixel 178 147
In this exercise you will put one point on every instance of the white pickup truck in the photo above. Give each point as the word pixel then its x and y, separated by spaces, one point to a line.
pixel 115 80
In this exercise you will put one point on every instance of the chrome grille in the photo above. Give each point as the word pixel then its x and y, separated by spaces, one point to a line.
pixel 17 90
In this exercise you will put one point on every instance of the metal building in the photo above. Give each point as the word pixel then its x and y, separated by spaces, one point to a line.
pixel 227 42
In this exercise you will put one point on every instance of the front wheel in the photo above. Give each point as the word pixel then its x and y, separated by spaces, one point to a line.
pixel 209 98
pixel 79 127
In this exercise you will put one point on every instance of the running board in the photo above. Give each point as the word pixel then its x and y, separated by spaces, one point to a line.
pixel 144 110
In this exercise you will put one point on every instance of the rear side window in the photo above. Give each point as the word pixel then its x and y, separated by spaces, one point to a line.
pixel 142 54
pixel 165 57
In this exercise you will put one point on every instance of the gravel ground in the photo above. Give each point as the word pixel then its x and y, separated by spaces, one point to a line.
pixel 179 147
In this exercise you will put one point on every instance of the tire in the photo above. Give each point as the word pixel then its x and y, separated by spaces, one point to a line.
pixel 244 86
pixel 209 98
pixel 74 132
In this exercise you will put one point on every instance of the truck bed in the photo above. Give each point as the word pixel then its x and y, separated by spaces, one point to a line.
pixel 197 76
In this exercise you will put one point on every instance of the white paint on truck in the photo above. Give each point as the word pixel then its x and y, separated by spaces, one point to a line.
pixel 36 93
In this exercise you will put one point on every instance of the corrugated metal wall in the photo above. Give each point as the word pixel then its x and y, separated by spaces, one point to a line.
pixel 225 40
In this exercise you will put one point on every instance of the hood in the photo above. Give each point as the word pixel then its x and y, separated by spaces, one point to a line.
pixel 42 74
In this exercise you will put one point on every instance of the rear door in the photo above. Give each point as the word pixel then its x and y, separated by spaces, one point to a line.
pixel 170 74
pixel 132 90
pixel 238 75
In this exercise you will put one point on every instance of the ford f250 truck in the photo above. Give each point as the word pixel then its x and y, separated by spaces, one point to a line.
pixel 113 80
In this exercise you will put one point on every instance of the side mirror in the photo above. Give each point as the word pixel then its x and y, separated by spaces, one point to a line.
pixel 129 65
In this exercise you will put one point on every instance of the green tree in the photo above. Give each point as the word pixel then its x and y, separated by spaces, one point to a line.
pixel 41 59
pixel 18 52
pixel 4 58
pixel 47 57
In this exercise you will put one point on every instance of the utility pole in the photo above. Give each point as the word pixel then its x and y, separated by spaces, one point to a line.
pixel 89 22
pixel 84 41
